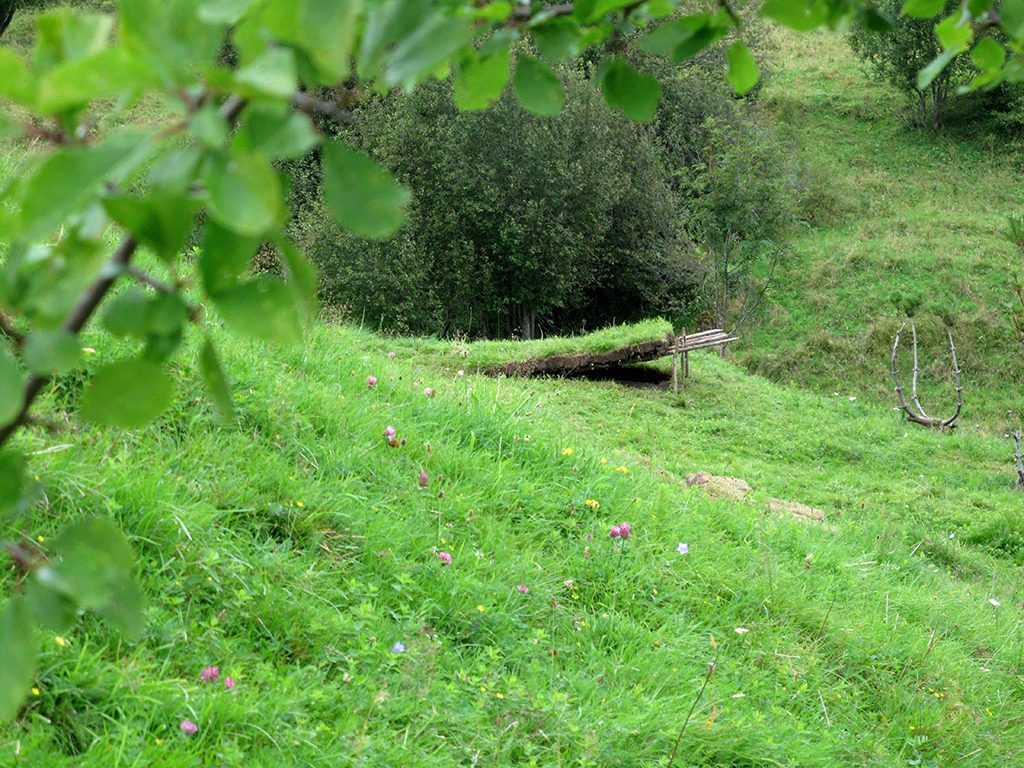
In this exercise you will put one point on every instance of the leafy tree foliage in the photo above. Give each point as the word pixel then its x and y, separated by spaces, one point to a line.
pixel 520 224
pixel 896 58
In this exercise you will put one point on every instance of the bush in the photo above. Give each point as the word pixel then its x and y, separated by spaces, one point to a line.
pixel 520 225
pixel 897 56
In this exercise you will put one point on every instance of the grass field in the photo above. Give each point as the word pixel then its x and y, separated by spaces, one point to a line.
pixel 916 212
pixel 294 553
pixel 302 556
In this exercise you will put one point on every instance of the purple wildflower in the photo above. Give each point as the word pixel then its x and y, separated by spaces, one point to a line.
pixel 371 381
pixel 523 589
pixel 229 683
pixel 209 675
pixel 398 647
pixel 188 727
pixel 445 558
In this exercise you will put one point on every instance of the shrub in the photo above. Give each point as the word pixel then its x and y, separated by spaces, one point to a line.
pixel 520 225
pixel 897 56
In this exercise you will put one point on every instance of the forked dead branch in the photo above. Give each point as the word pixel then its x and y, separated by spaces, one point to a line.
pixel 916 413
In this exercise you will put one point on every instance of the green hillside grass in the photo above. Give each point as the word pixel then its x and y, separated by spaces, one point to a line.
pixel 294 551
pixel 913 211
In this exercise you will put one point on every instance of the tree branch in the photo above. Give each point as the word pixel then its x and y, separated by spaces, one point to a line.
pixel 160 286
pixel 94 295
pixel 313 106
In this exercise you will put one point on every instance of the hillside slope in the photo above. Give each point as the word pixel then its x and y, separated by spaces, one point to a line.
pixel 905 210
pixel 295 552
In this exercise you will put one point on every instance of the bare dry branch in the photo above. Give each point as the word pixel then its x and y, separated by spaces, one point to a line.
pixel 1018 459
pixel 919 416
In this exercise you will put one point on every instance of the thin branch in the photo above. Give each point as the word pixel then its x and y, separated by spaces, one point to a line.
pixel 913 386
pixel 921 417
pixel 1018 459
pixel 313 106
pixel 160 286
pixel 707 678
pixel 7 329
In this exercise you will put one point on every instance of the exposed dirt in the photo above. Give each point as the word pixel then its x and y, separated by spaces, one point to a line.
pixel 796 510
pixel 583 363
pixel 720 487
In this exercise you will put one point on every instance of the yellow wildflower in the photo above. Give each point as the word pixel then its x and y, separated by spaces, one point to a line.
pixel 35 691
pixel 60 641
pixel 567 451
pixel 299 504
pixel 481 608
pixel 623 470
pixel 40 538
pixel 592 503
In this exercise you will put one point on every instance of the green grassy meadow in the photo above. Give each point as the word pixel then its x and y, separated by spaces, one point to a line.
pixel 300 554
pixel 908 211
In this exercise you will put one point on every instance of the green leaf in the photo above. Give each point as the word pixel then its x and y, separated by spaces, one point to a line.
pixel 923 9
pixel 209 126
pixel 263 308
pixel 479 82
pixel 801 15
pixel 127 394
pixel 107 73
pixel 11 382
pixel 388 23
pixel 18 651
pixel 362 196
pixel 67 34
pixel 930 72
pixel 686 37
pixel 94 567
pixel 128 314
pixel 326 32
pixel 426 49
pixel 71 178
pixel 224 11
pixel 1011 18
pixel 53 608
pixel 18 83
pixel 216 383
pixel 875 20
pixel 603 7
pixel 537 87
pixel 51 353
pixel 170 36
pixel 635 93
pixel 12 482
pixel 245 193
pixel 276 131
pixel 273 73
pixel 743 72
pixel 301 278
pixel 953 33
pixel 558 39
pixel 224 256
pixel 161 221
pixel 988 54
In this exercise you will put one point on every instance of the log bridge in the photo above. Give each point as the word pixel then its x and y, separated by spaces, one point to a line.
pixel 583 363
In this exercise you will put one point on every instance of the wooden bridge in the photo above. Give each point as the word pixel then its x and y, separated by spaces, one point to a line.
pixel 678 347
